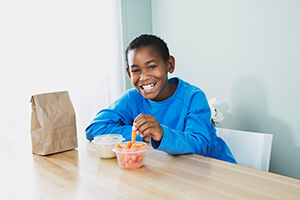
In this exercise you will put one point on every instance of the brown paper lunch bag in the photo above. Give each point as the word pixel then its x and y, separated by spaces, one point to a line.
pixel 53 123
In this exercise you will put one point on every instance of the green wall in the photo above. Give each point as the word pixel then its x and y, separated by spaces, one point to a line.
pixel 245 54
pixel 136 19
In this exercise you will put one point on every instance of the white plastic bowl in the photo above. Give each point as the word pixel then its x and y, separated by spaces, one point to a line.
pixel 104 147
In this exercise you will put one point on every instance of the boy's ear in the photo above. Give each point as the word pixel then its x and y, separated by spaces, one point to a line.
pixel 171 64
pixel 128 72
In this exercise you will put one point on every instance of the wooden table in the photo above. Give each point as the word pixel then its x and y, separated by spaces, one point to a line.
pixel 80 174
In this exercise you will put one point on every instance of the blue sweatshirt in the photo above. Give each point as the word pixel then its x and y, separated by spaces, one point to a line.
pixel 184 118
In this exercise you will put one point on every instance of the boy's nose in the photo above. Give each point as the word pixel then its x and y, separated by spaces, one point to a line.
pixel 144 76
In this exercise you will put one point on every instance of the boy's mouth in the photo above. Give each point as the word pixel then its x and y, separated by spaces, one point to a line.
pixel 148 87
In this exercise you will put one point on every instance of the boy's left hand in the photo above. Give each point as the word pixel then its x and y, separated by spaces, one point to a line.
pixel 148 125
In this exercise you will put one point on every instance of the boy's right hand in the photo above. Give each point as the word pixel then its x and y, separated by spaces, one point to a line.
pixel 147 125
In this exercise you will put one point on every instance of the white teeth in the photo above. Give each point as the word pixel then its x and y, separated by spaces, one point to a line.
pixel 148 87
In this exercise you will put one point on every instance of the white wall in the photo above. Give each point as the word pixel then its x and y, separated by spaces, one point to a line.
pixel 58 45
pixel 247 55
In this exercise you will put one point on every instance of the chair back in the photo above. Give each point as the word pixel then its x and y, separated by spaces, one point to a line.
pixel 249 148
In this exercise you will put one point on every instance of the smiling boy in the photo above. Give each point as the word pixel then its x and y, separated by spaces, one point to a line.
pixel 173 113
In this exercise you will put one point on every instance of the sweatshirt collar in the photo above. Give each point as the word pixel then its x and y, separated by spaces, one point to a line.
pixel 174 80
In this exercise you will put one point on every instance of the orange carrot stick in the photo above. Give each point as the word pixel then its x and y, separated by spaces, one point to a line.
pixel 133 165
pixel 129 143
pixel 134 157
pixel 122 162
pixel 133 136
pixel 140 159
pixel 134 146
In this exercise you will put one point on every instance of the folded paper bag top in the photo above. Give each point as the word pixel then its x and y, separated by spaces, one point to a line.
pixel 53 123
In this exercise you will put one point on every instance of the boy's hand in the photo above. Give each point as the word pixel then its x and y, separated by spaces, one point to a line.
pixel 148 125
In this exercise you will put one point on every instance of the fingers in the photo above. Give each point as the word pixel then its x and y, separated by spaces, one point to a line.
pixel 147 130
pixel 147 125
pixel 142 122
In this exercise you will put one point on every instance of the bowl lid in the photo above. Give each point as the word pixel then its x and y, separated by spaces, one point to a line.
pixel 108 139
pixel 130 151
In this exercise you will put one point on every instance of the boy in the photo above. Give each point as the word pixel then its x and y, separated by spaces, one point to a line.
pixel 173 113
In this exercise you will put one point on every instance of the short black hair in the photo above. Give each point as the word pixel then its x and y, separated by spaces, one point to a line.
pixel 149 40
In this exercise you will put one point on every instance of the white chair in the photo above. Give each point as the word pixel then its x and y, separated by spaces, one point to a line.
pixel 249 148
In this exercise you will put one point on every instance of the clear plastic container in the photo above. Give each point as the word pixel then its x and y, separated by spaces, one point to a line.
pixel 132 158
pixel 105 143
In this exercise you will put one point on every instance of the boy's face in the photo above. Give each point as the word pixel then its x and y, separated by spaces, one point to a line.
pixel 149 73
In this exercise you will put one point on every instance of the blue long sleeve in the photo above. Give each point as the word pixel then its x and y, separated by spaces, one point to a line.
pixel 196 134
pixel 116 119
pixel 184 117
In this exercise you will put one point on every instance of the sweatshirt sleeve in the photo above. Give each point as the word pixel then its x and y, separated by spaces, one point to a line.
pixel 116 119
pixel 196 136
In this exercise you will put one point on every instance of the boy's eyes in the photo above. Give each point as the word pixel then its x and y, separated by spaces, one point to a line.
pixel 135 70
pixel 138 70
pixel 152 66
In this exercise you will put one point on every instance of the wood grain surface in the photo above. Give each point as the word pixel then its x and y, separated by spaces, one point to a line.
pixel 81 174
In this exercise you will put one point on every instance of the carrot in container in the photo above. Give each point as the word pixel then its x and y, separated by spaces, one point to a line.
pixel 129 144
pixel 130 156
pixel 133 165
pixel 133 136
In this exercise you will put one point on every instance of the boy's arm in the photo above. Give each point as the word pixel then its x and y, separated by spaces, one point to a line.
pixel 179 142
pixel 197 135
pixel 107 122
pixel 116 119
